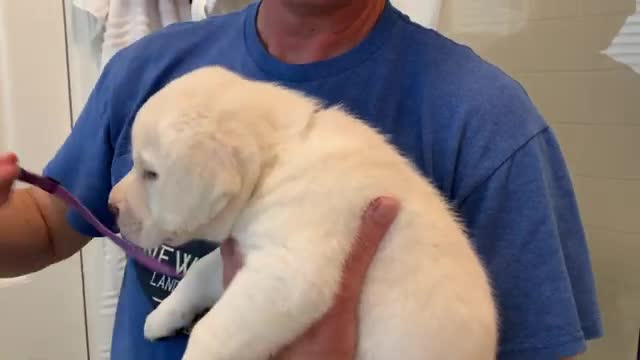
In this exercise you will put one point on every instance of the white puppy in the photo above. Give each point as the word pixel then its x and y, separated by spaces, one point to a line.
pixel 216 155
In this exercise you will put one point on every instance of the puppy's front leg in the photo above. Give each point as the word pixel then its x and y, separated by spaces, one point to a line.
pixel 272 300
pixel 197 291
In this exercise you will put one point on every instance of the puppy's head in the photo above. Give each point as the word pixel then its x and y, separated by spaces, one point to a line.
pixel 199 146
pixel 187 176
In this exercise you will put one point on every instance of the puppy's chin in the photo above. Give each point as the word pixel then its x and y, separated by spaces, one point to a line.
pixel 149 236
pixel 130 233
pixel 152 237
pixel 146 238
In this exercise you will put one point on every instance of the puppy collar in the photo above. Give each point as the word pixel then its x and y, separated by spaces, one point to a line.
pixel 54 188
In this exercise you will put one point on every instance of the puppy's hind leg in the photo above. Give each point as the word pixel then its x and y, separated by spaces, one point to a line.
pixel 197 291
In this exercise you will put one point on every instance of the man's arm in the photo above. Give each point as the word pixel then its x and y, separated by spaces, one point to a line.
pixel 526 225
pixel 36 229
pixel 34 232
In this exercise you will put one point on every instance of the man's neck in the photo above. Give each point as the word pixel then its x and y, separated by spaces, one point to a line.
pixel 298 32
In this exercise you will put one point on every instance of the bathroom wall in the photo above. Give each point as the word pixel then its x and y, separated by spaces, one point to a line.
pixel 555 49
pixel 42 314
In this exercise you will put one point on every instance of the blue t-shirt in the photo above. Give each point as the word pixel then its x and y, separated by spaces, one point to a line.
pixel 464 123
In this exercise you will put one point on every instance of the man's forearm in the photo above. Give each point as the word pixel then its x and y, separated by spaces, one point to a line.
pixel 34 233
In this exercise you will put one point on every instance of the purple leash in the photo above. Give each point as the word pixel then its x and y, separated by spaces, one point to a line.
pixel 52 187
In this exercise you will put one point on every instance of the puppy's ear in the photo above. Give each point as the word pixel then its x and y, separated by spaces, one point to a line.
pixel 294 111
pixel 198 180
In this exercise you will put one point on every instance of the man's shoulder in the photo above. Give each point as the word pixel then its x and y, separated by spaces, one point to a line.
pixel 455 77
pixel 471 110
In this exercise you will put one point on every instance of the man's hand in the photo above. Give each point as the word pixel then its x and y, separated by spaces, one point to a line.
pixel 8 174
pixel 335 335
pixel 34 232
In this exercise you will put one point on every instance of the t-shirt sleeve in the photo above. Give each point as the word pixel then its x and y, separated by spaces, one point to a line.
pixel 525 221
pixel 83 163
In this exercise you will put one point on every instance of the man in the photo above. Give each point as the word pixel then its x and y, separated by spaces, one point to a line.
pixel 464 123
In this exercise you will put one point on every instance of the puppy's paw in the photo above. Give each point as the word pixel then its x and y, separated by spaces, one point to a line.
pixel 165 321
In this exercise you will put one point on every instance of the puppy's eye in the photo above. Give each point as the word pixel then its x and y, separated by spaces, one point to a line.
pixel 149 175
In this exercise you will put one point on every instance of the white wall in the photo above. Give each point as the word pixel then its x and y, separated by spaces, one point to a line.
pixel 42 314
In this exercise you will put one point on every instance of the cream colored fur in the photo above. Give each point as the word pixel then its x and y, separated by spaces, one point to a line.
pixel 216 155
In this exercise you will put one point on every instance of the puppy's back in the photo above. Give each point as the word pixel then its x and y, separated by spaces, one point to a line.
pixel 426 289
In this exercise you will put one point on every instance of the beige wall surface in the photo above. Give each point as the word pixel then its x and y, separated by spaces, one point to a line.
pixel 43 313
pixel 575 57
pixel 558 50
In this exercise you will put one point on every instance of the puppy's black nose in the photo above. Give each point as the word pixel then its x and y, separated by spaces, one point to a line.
pixel 114 210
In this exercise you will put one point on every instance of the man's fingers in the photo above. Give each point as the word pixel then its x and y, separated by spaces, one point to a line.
pixel 8 158
pixel 8 169
pixel 376 220
pixel 8 174
pixel 231 259
pixel 338 327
